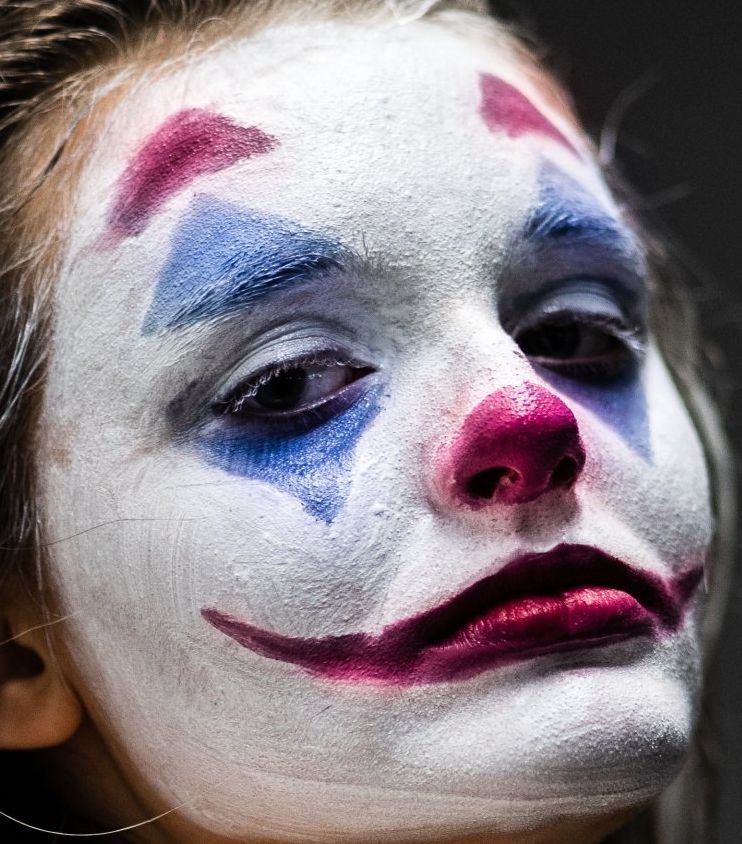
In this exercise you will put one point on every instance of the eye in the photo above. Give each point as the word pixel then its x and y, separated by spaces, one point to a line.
pixel 291 389
pixel 576 349
pixel 581 331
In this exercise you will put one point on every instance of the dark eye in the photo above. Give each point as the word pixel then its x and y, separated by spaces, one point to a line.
pixel 576 350
pixel 290 389
pixel 581 331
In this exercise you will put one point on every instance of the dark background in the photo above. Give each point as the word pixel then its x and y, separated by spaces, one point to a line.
pixel 680 145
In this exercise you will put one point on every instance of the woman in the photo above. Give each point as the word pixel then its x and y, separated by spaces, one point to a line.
pixel 358 490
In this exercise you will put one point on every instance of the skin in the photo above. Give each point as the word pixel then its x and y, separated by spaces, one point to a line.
pixel 380 145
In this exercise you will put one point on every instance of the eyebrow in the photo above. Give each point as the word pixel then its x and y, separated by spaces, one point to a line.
pixel 192 143
pixel 567 214
pixel 506 109
pixel 224 258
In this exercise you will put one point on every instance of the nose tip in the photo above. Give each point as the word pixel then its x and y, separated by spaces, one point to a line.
pixel 516 445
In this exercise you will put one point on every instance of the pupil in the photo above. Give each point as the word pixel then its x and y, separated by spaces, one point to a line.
pixel 552 341
pixel 283 391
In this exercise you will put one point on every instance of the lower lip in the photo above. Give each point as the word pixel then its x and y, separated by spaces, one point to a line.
pixel 537 625
pixel 528 622
pixel 523 628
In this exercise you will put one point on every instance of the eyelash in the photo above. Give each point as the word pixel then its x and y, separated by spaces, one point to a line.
pixel 586 337
pixel 235 404
pixel 622 345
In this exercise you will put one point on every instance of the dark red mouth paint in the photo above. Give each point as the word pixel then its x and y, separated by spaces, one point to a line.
pixel 573 597
pixel 189 144
pixel 505 109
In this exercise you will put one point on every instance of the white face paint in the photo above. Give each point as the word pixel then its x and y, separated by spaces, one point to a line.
pixel 383 206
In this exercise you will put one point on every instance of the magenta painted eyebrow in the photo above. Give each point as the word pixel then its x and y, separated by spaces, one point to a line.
pixel 191 143
pixel 505 109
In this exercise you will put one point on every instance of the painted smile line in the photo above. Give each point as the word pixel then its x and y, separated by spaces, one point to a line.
pixel 571 597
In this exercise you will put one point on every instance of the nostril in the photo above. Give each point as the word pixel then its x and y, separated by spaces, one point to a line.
pixel 565 473
pixel 485 483
pixel 518 444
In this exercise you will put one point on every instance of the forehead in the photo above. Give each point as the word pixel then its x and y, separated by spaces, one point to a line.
pixel 345 112
pixel 339 76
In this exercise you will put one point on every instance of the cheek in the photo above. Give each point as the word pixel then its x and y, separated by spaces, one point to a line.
pixel 622 407
pixel 259 553
pixel 648 465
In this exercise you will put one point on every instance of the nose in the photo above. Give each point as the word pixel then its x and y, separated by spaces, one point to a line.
pixel 517 444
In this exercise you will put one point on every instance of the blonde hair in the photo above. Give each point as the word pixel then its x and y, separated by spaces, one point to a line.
pixel 55 58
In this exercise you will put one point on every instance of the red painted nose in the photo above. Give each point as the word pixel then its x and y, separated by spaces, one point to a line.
pixel 518 444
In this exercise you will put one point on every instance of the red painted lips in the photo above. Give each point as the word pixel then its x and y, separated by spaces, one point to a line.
pixel 571 597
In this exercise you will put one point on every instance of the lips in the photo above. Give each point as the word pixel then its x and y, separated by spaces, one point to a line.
pixel 572 597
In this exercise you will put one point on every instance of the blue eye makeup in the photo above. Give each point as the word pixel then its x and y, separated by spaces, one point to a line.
pixel 575 302
pixel 224 259
pixel 567 216
pixel 308 451
pixel 294 423
pixel 294 396
pixel 578 306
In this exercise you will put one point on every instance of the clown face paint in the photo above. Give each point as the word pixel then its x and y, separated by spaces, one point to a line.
pixel 506 109
pixel 387 516
pixel 190 144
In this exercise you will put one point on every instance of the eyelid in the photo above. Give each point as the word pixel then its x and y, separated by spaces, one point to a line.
pixel 250 385
pixel 253 377
pixel 598 300
pixel 190 409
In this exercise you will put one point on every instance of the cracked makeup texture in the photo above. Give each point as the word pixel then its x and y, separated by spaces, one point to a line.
pixel 362 234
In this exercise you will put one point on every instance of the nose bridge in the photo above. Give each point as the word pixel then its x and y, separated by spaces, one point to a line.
pixel 519 443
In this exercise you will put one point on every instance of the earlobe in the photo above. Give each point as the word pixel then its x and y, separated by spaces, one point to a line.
pixel 37 707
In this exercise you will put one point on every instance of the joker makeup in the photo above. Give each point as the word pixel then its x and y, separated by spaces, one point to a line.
pixel 399 518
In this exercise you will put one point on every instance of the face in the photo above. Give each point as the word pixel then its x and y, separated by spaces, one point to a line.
pixel 380 509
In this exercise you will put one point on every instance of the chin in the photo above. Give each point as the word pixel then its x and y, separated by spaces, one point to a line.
pixel 581 735
pixel 608 726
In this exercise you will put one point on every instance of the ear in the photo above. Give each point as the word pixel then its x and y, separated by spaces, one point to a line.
pixel 37 707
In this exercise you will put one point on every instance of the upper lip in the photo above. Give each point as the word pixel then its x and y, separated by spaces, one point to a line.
pixel 429 647
pixel 552 572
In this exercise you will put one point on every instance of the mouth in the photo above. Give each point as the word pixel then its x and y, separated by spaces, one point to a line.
pixel 572 597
